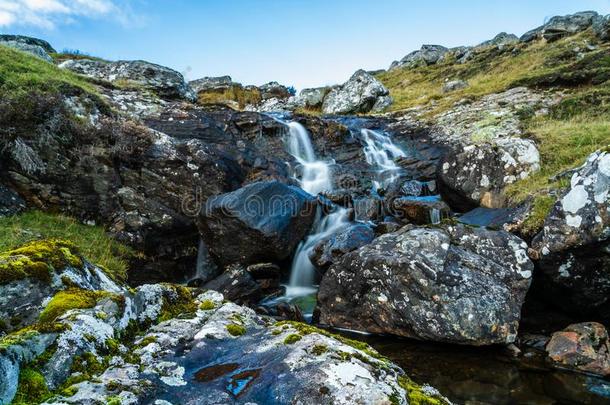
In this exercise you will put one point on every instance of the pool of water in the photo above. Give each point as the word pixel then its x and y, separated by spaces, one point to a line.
pixel 480 376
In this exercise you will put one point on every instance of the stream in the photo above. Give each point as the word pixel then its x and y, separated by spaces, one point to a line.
pixel 465 375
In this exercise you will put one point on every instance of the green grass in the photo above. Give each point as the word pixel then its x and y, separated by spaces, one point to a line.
pixel 92 241
pixel 23 73
pixel 235 93
pixel 493 71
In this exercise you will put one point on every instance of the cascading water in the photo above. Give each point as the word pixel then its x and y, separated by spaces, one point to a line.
pixel 380 153
pixel 315 177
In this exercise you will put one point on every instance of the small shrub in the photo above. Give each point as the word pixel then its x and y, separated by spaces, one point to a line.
pixel 235 329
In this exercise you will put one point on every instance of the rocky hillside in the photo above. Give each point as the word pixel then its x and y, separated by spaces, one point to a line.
pixel 149 227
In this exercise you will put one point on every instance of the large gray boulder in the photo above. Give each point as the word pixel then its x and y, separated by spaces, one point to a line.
pixel 312 98
pixel 165 82
pixel 260 222
pixel 362 93
pixel 34 46
pixel 574 245
pixel 452 284
pixel 427 55
pixel 561 26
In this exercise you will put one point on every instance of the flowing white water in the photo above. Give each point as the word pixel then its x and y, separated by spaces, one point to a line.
pixel 435 216
pixel 316 176
pixel 380 153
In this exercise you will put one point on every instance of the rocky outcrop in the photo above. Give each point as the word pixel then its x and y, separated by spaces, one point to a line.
pixel 360 94
pixel 274 90
pixel 163 81
pixel 601 27
pixel 189 345
pixel 427 55
pixel 312 98
pixel 34 46
pixel 582 346
pixel 501 40
pixel 454 85
pixel 574 244
pixel 448 284
pixel 260 222
pixel 211 83
pixel 561 26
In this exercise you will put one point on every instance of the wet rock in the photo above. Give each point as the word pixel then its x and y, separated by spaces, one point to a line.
pixel 427 55
pixel 582 346
pixel 561 26
pixel 34 46
pixel 449 284
pixel 360 94
pixel 237 284
pixel 418 210
pixel 350 238
pixel 574 245
pixel 367 208
pixel 10 202
pixel 270 219
pixel 490 217
pixel 164 81
pixel 454 85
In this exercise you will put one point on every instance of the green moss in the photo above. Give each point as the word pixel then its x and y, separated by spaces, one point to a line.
pixel 91 241
pixel 88 365
pixel 17 338
pixel 416 395
pixel 113 401
pixel 66 300
pixel 69 392
pixel 319 350
pixel 179 301
pixel 540 210
pixel 305 329
pixel 207 305
pixel 292 338
pixel 32 388
pixel 235 329
pixel 146 341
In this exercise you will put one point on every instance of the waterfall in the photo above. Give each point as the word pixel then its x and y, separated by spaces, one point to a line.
pixel 435 216
pixel 380 153
pixel 316 176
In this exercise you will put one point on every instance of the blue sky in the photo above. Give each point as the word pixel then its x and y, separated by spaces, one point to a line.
pixel 302 43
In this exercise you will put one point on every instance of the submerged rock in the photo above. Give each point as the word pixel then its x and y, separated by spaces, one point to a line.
pixel 164 81
pixel 574 245
pixel 263 221
pixel 582 346
pixel 448 284
pixel 360 94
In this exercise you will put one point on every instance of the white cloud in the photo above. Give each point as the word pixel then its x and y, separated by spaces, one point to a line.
pixel 48 14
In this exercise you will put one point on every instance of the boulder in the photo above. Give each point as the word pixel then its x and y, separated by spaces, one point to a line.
pixel 211 83
pixel 418 210
pixel 454 85
pixel 362 93
pixel 274 90
pixel 601 27
pixel 34 46
pixel 574 245
pixel 345 240
pixel 427 55
pixel 164 81
pixel 478 174
pixel 262 221
pixel 236 284
pixel 561 26
pixel 501 40
pixel 452 284
pixel 10 202
pixel 582 346
pixel 312 98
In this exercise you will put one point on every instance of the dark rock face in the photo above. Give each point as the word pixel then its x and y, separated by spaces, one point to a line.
pixel 236 284
pixel 574 246
pixel 259 222
pixel 583 346
pixel 10 202
pixel 164 81
pixel 330 249
pixel 449 284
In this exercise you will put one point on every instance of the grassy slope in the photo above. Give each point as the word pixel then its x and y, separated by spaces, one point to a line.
pixel 579 125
